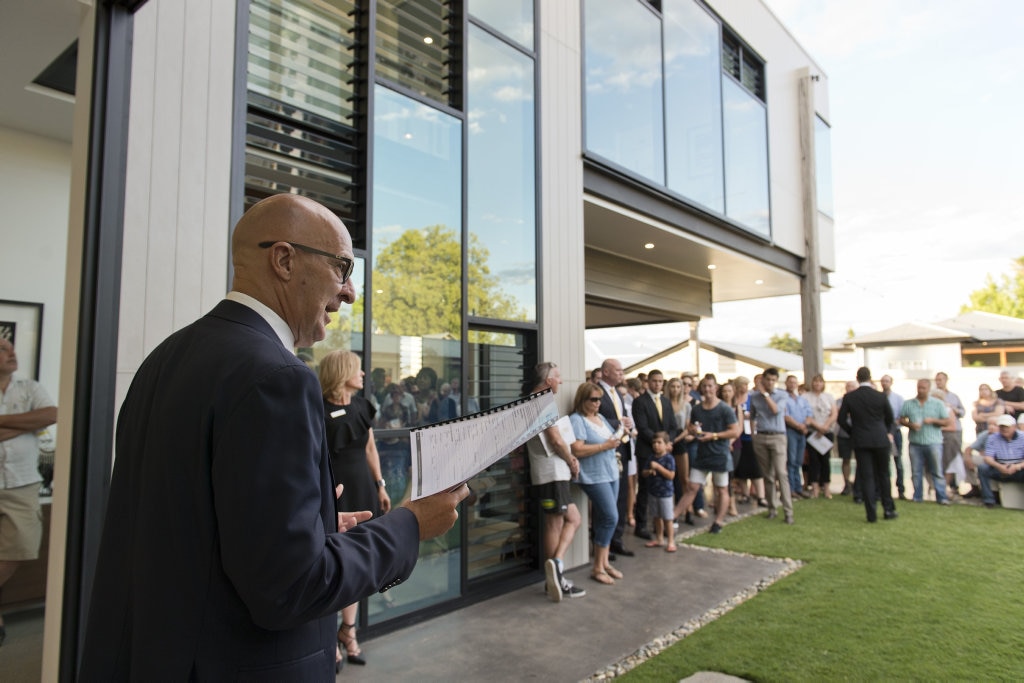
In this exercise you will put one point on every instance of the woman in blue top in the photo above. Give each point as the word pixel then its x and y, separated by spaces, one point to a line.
pixel 599 473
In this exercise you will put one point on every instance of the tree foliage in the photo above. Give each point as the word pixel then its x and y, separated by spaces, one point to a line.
pixel 1005 297
pixel 418 291
pixel 786 342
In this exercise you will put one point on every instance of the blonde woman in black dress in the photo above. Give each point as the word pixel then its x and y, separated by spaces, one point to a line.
pixel 354 459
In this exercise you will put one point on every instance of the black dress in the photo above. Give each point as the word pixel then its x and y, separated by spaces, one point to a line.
pixel 348 432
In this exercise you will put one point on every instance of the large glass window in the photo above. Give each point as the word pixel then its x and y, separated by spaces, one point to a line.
pixel 624 109
pixel 416 284
pixel 413 46
pixel 823 166
pixel 693 104
pixel 513 18
pixel 501 181
pixel 417 256
pixel 746 158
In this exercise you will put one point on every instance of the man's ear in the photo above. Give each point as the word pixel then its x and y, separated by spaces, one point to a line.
pixel 282 261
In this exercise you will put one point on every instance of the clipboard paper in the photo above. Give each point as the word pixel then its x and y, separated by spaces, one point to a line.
pixel 448 453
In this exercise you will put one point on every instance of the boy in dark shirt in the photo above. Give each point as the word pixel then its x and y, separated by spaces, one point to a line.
pixel 661 470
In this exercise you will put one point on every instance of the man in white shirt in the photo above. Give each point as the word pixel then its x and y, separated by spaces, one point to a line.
pixel 25 408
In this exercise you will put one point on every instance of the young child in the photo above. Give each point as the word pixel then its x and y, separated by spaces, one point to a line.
pixel 662 469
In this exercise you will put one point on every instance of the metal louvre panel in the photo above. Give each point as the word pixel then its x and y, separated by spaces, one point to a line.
pixel 306 146
pixel 275 174
pixel 414 46
pixel 301 53
pixel 302 109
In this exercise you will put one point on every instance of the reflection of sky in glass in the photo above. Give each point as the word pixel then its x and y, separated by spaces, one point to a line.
pixel 746 158
pixel 417 168
pixel 823 165
pixel 514 18
pixel 693 78
pixel 501 174
pixel 624 120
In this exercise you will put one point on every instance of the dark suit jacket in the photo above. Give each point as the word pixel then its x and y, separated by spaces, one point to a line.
pixel 607 408
pixel 870 417
pixel 645 415
pixel 220 557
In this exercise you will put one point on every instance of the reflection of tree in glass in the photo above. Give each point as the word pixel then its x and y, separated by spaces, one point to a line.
pixel 344 324
pixel 419 291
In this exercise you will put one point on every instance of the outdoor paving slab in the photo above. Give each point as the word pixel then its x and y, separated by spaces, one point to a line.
pixel 522 635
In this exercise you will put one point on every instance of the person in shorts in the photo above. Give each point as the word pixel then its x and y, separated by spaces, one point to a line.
pixel 661 473
pixel 552 465
pixel 714 425
pixel 25 409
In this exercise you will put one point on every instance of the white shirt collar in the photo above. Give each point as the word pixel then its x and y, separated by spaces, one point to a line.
pixel 866 384
pixel 276 322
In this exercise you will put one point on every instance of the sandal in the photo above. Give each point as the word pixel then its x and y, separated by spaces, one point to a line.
pixel 653 544
pixel 613 572
pixel 602 577
pixel 670 549
pixel 347 638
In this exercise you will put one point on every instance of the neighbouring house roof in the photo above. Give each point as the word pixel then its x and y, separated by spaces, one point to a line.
pixel 970 327
pixel 760 356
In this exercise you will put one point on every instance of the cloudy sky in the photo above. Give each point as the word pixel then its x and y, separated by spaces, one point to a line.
pixel 927 104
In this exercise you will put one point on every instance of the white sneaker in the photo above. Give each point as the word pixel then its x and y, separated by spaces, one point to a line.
pixel 552 585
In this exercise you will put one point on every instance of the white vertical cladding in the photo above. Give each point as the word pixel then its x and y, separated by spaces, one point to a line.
pixel 561 192
pixel 562 313
pixel 176 232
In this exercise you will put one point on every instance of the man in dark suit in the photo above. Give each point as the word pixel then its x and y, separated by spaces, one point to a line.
pixel 222 556
pixel 870 419
pixel 616 414
pixel 652 412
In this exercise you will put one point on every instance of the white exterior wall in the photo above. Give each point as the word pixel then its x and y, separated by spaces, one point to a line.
pixel 561 196
pixel 35 180
pixel 176 222
pixel 562 312
pixel 784 59
pixel 915 362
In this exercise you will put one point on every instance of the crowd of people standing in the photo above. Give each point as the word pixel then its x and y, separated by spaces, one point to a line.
pixel 647 445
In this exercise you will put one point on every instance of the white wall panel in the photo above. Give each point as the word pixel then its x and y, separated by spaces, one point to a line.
pixel 35 179
pixel 561 171
pixel 175 258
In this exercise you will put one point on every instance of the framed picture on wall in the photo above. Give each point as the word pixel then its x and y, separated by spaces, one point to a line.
pixel 21 323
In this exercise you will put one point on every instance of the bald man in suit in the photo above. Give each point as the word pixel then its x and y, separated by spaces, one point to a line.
pixel 222 556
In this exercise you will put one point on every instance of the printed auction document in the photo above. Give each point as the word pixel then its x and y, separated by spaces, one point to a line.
pixel 448 453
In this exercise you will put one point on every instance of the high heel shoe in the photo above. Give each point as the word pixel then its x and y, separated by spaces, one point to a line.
pixel 347 638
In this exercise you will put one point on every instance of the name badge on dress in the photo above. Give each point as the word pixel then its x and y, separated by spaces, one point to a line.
pixel 338 413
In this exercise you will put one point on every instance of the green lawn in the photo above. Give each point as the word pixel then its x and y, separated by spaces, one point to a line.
pixel 937 594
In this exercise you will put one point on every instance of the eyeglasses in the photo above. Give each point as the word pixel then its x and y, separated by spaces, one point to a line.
pixel 345 265
pixel 594 399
